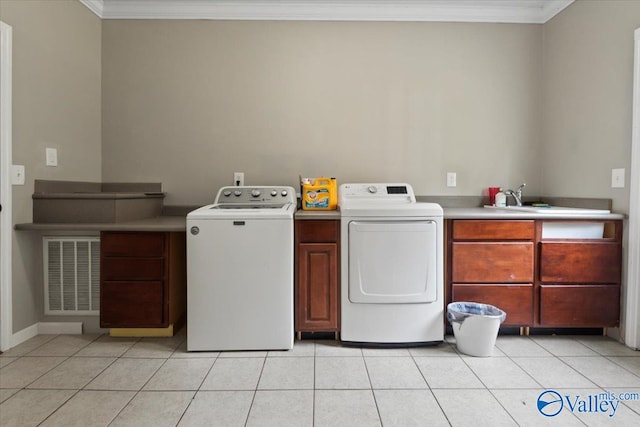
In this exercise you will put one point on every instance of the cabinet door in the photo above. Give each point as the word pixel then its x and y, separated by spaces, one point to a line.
pixel 515 300
pixel 317 287
pixel 492 262
pixel 132 304
pixel 580 262
pixel 579 305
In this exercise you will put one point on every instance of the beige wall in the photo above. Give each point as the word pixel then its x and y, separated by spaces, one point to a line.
pixel 56 103
pixel 188 103
pixel 588 89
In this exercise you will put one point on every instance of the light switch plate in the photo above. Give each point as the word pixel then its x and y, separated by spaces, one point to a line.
pixel 17 174
pixel 617 178
pixel 52 157
pixel 451 179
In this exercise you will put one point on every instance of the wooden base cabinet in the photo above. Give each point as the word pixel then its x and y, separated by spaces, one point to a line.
pixel 580 279
pixel 142 279
pixel 538 281
pixel 492 262
pixel 317 276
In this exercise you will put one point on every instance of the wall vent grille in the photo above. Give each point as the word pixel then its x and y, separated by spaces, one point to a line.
pixel 72 275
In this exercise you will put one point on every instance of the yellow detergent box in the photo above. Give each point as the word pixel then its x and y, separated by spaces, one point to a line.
pixel 320 194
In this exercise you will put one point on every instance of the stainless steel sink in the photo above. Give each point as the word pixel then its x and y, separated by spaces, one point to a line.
pixel 550 210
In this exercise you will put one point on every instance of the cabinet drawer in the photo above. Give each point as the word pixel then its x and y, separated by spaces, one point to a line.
pixel 492 262
pixel 318 231
pixel 493 230
pixel 579 306
pixel 582 262
pixel 132 304
pixel 122 268
pixel 132 244
pixel 515 300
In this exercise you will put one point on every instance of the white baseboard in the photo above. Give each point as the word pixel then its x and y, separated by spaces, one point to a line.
pixel 68 328
pixel 23 335
pixel 46 328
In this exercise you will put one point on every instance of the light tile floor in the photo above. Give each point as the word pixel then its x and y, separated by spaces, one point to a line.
pixel 93 380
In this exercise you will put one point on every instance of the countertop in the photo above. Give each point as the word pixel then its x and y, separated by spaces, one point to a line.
pixel 179 222
pixel 160 223
pixel 100 195
pixel 484 213
pixel 330 214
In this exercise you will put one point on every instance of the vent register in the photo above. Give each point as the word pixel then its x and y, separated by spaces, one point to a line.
pixel 72 275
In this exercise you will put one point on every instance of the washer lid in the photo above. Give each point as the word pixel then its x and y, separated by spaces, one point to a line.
pixel 222 211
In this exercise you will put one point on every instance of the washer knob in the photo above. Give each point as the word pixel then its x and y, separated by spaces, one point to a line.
pixel 226 193
pixel 274 193
pixel 372 189
pixel 237 193
pixel 284 193
pixel 255 193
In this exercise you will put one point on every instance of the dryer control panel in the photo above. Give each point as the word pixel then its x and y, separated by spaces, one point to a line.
pixel 396 193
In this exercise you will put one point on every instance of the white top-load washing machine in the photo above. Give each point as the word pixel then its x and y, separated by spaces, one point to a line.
pixel 240 270
pixel 392 266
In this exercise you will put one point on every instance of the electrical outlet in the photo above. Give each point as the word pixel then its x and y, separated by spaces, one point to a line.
pixel 52 157
pixel 617 178
pixel 17 174
pixel 238 178
pixel 451 179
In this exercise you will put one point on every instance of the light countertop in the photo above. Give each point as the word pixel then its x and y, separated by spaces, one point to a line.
pixel 179 223
pixel 484 213
pixel 160 223
pixel 329 214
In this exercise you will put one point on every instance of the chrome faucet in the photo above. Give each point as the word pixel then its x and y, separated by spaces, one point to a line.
pixel 517 195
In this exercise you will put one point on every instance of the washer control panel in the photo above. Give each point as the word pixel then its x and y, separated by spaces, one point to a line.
pixel 256 195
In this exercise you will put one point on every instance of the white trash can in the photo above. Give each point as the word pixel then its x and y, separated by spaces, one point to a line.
pixel 475 326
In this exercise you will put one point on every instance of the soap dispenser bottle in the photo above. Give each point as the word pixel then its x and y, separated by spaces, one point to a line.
pixel 501 199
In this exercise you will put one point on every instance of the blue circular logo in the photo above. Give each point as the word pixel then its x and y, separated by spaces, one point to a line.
pixel 550 403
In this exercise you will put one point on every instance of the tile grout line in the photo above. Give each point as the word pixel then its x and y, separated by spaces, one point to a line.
pixel 491 392
pixel 446 417
pixel 313 393
pixel 137 392
pixel 373 394
pixel 255 391
pixel 195 393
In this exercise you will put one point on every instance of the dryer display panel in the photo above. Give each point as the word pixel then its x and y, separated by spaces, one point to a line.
pixel 393 261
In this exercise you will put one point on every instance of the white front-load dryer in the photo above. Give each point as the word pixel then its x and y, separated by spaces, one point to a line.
pixel 392 266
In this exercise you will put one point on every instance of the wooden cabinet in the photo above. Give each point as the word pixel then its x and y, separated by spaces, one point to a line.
pixel 317 276
pixel 580 279
pixel 492 262
pixel 142 279
pixel 538 281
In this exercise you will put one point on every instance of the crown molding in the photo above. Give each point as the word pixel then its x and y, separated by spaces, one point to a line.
pixel 497 11
pixel 95 6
